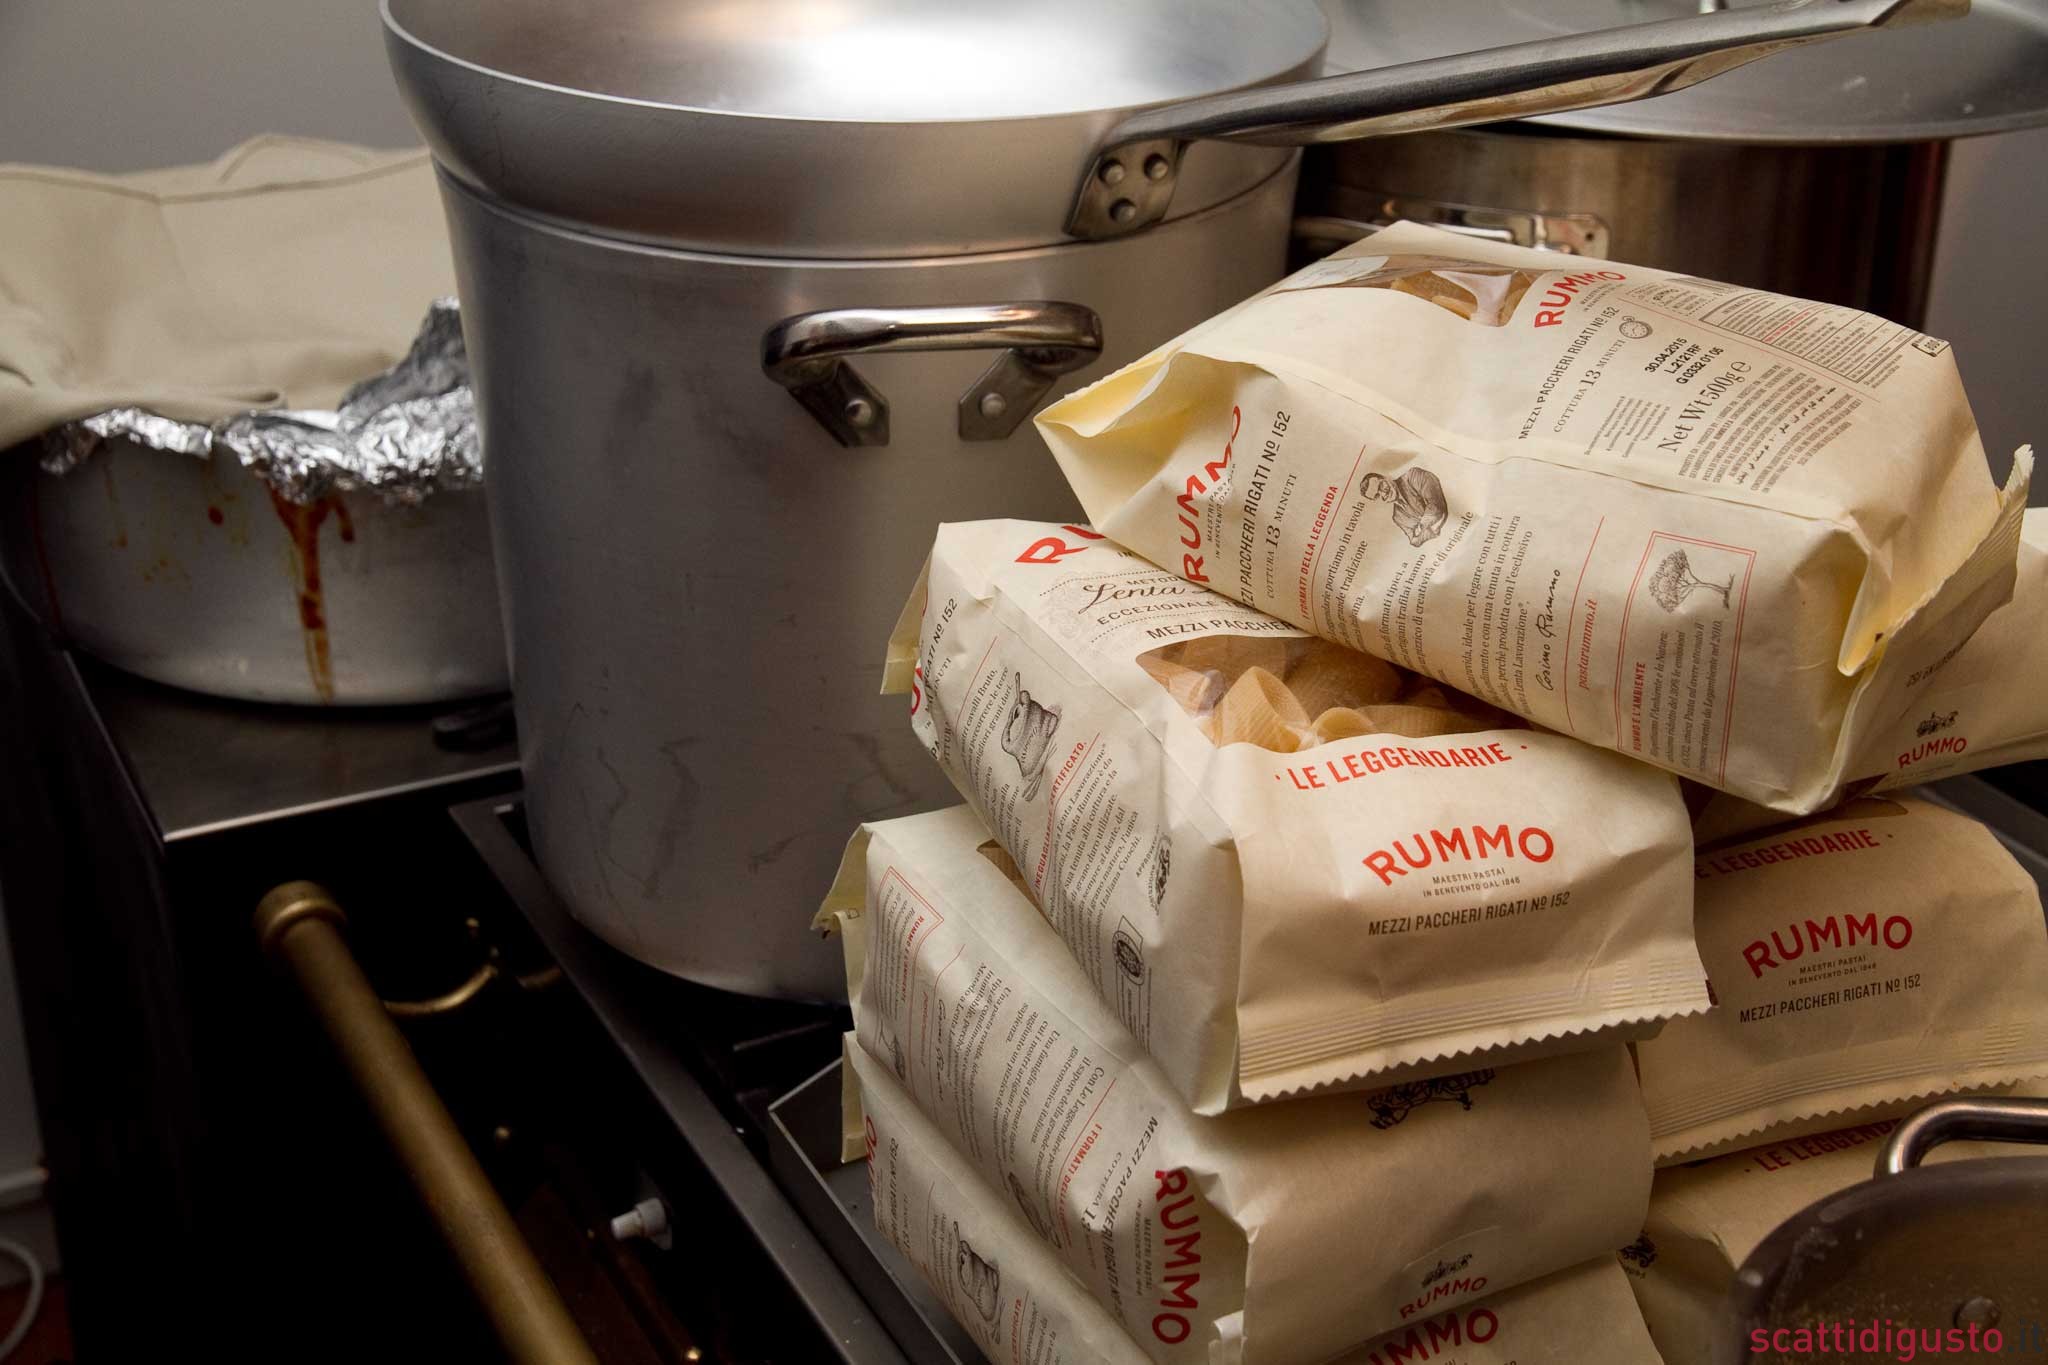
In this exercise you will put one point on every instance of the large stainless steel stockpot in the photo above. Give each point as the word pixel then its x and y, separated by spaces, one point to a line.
pixel 699 580
pixel 725 267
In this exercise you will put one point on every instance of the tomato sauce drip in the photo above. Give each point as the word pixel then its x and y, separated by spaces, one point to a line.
pixel 302 521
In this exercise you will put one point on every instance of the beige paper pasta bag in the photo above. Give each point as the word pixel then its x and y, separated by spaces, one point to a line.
pixel 1888 951
pixel 998 1282
pixel 1403 882
pixel 1282 1233
pixel 1706 1218
pixel 980 1255
pixel 1983 706
pixel 1581 1316
pixel 1689 521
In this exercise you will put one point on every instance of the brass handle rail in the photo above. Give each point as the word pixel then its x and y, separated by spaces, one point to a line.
pixel 300 928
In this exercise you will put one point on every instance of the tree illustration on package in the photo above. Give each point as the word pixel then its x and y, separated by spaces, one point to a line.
pixel 1674 581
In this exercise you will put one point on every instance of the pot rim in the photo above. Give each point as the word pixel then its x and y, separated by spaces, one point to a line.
pixel 1305 64
pixel 584 234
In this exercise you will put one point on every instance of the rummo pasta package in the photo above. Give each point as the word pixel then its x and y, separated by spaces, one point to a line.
pixel 1887 951
pixel 1983 706
pixel 1012 1296
pixel 1581 1316
pixel 1686 520
pixel 1287 864
pixel 1282 1233
pixel 1706 1218
pixel 1000 1283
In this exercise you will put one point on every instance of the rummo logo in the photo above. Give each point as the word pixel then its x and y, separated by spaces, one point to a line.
pixel 1550 307
pixel 1944 747
pixel 1836 931
pixel 1180 1233
pixel 1428 1340
pixel 1463 843
pixel 1051 549
pixel 1190 517
pixel 1465 1287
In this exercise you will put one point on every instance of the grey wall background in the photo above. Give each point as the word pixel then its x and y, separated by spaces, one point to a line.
pixel 1990 294
pixel 124 85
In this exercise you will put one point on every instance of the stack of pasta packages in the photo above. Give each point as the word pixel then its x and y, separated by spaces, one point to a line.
pixel 1423 881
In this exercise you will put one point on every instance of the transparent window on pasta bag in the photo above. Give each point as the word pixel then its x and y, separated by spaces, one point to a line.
pixel 1479 293
pixel 1291 694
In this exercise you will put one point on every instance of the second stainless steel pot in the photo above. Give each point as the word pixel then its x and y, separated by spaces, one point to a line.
pixel 194 572
pixel 1818 174
pixel 1845 224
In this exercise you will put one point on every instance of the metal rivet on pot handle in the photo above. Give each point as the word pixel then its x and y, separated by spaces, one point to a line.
pixel 2006 1119
pixel 1040 340
pixel 1580 71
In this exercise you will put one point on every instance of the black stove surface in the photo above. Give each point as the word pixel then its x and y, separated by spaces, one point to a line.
pixel 695 1071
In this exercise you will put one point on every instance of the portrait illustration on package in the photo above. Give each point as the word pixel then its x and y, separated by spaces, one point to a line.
pixel 1420 508
pixel 1287 864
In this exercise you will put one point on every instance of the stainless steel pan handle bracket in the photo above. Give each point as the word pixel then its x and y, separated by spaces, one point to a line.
pixel 1568 234
pixel 1131 180
pixel 1040 341
pixel 2002 1118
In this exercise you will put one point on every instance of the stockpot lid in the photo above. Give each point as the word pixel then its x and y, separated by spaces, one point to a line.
pixel 835 128
pixel 1984 73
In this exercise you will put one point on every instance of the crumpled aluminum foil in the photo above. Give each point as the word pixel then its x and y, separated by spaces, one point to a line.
pixel 68 446
pixel 403 434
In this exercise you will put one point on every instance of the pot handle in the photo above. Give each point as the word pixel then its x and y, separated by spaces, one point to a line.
pixel 1040 340
pixel 1130 181
pixel 2008 1119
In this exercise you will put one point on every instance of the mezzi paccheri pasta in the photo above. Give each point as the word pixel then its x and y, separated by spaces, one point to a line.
pixel 1009 1292
pixel 1887 951
pixel 1284 863
pixel 1696 523
pixel 1976 707
pixel 1282 1233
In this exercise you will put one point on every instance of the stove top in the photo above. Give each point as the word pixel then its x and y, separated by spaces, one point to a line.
pixel 747 1090
pixel 726 1105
